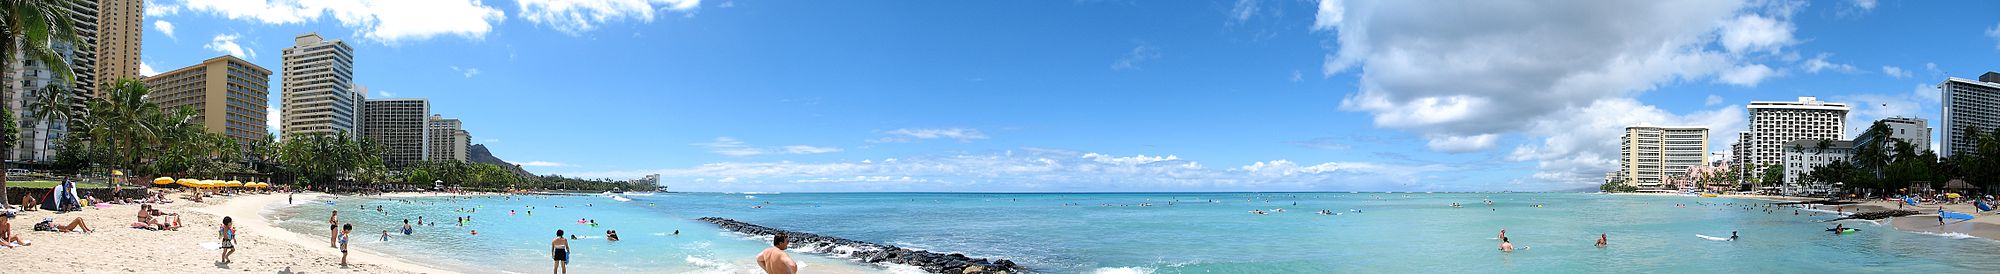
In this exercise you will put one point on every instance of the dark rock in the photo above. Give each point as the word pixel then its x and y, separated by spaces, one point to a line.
pixel 876 253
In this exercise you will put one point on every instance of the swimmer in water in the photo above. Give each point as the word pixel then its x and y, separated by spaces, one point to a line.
pixel 1603 240
pixel 1506 246
pixel 1732 235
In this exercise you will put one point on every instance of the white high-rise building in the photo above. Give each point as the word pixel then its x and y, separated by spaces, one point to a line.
pixel 1968 105
pixel 1773 124
pixel 448 139
pixel 1802 156
pixel 28 76
pixel 319 93
pixel 401 126
pixel 1649 154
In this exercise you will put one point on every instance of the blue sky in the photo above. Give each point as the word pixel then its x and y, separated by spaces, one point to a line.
pixel 1102 95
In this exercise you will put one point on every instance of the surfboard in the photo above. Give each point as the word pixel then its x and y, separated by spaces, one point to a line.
pixel 1712 238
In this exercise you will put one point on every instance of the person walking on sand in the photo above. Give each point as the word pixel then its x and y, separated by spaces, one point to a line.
pixel 333 228
pixel 559 248
pixel 344 230
pixel 774 260
pixel 228 235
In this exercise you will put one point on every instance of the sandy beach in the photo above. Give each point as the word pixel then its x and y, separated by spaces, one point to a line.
pixel 116 248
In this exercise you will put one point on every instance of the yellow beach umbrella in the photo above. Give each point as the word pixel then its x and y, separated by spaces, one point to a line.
pixel 234 183
pixel 189 182
pixel 163 181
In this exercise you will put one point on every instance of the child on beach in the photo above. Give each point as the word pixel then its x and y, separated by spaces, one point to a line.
pixel 385 235
pixel 344 231
pixel 228 235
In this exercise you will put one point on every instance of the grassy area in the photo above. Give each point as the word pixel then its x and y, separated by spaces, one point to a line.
pixel 50 184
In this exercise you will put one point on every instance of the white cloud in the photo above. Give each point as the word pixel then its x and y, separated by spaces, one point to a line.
pixel 468 72
pixel 1242 11
pixel 805 149
pixel 1038 169
pixel 1297 76
pixel 1928 92
pixel 1582 143
pixel 1893 71
pixel 579 16
pixel 226 44
pixel 161 8
pixel 1456 144
pixel 1752 32
pixel 543 164
pixel 963 135
pixel 164 27
pixel 1748 75
pixel 491 140
pixel 388 21
pixel 271 116
pixel 1329 15
pixel 1819 63
pixel 1712 100
pixel 147 70
pixel 385 93
pixel 1140 54
pixel 1524 67
pixel 1865 4
pixel 728 146
pixel 1995 33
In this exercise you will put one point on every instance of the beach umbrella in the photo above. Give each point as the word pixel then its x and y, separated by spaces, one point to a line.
pixel 189 182
pixel 163 181
pixel 234 183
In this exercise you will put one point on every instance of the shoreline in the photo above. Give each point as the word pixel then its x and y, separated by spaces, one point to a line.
pixel 114 247
pixel 1979 227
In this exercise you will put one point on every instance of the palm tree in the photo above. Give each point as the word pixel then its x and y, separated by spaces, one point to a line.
pixel 51 104
pixel 34 26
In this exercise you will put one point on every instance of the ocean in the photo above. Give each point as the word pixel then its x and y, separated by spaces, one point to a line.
pixel 1154 232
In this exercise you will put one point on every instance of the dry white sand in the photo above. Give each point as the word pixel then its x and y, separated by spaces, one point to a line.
pixel 116 248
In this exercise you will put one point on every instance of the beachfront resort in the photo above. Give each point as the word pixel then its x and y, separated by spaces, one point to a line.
pixel 1208 136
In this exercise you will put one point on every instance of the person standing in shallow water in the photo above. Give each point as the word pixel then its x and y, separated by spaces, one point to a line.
pixel 333 225
pixel 774 260
pixel 559 248
pixel 1603 240
pixel 1506 246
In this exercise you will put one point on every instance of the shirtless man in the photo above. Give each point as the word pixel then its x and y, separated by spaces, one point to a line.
pixel 1603 240
pixel 774 260
pixel 559 248
pixel 1506 246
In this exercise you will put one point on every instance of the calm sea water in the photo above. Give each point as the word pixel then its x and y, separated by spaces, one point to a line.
pixel 1178 233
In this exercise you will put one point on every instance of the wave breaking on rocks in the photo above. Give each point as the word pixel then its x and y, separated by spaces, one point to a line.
pixel 876 253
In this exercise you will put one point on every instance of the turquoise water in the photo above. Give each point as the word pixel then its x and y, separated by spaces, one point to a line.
pixel 1178 233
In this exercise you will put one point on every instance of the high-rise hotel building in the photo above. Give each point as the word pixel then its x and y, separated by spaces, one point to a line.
pixel 1969 105
pixel 401 126
pixel 227 93
pixel 1773 124
pixel 1649 154
pixel 120 27
pixel 318 88
pixel 26 77
pixel 448 139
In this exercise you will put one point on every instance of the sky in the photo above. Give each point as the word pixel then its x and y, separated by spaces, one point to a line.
pixel 1102 95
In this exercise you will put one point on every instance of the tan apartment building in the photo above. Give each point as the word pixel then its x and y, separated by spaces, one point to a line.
pixel 1649 155
pixel 227 93
pixel 120 27
pixel 449 140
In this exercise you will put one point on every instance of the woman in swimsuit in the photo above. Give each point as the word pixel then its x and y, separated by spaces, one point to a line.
pixel 333 228
pixel 560 249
